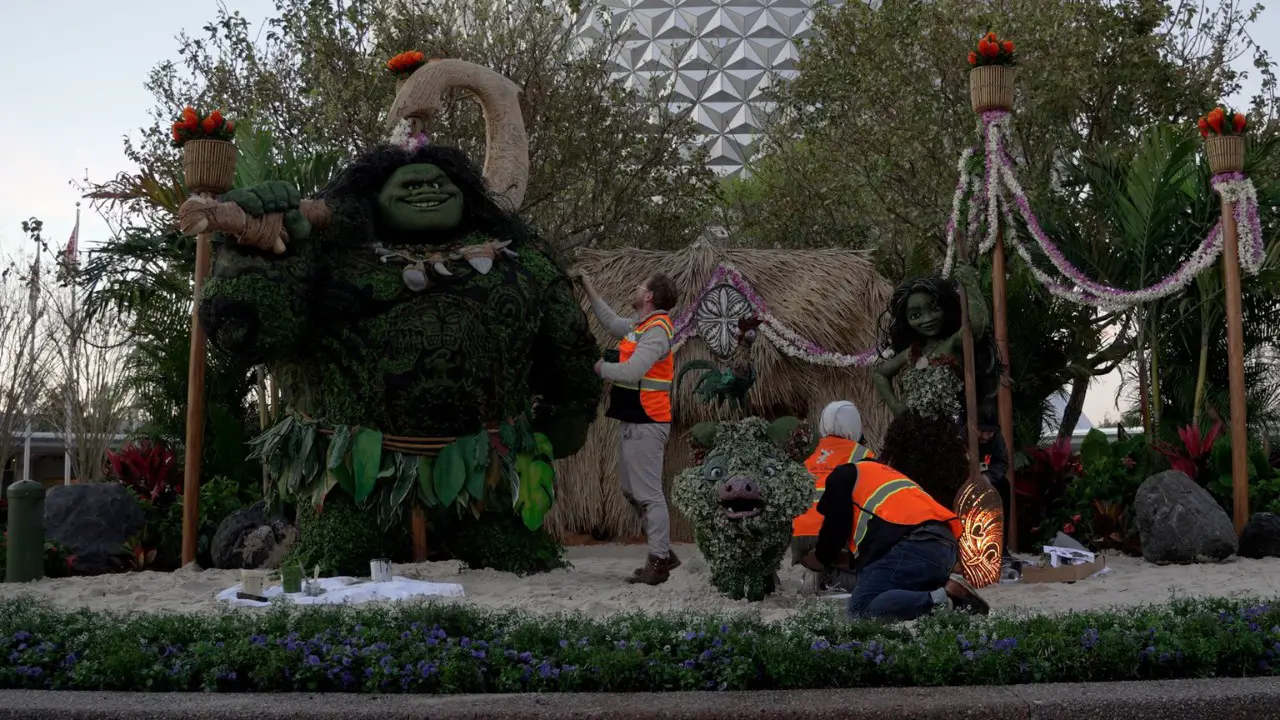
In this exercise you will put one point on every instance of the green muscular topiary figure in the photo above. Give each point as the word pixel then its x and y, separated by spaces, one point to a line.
pixel 433 350
pixel 742 498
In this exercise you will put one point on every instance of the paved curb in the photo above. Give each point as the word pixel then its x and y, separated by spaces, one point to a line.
pixel 1186 700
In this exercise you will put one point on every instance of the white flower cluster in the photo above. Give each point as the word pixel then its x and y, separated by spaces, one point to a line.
pixel 932 390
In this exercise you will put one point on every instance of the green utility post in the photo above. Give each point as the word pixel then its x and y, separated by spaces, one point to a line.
pixel 26 532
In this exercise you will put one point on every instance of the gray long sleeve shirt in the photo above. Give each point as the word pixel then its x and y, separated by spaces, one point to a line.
pixel 651 346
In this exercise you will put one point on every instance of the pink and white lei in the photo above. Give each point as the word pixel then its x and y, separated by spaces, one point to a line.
pixel 1002 194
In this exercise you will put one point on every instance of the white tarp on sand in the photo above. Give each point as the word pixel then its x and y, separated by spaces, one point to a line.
pixel 338 590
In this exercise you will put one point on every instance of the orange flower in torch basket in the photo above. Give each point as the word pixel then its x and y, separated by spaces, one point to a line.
pixel 406 62
pixel 191 125
pixel 992 50
pixel 1222 121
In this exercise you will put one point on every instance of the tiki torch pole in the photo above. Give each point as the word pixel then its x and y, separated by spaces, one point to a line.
pixel 1226 155
pixel 210 168
pixel 991 89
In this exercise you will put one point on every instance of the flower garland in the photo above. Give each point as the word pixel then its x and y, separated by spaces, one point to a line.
pixel 788 341
pixel 1002 193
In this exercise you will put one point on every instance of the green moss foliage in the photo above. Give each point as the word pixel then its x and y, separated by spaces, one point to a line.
pixel 340 539
pixel 501 541
pixel 743 555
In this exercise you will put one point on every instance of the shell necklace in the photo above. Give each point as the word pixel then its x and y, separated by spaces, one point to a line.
pixel 415 274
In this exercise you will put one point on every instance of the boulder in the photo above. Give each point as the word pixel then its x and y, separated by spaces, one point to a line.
pixel 1180 522
pixel 1261 536
pixel 250 538
pixel 93 521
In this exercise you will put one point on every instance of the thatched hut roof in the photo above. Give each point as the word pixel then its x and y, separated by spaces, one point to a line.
pixel 832 298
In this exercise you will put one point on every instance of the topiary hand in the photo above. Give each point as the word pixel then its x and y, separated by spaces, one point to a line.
pixel 273 197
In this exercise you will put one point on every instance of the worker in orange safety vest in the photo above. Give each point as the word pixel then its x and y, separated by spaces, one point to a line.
pixel 841 441
pixel 902 543
pixel 640 400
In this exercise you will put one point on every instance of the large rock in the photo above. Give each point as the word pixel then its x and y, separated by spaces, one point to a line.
pixel 250 538
pixel 1261 536
pixel 1180 522
pixel 94 522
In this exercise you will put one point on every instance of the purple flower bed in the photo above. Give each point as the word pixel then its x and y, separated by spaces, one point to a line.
pixel 451 649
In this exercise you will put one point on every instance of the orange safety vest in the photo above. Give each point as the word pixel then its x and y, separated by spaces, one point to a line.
pixel 831 453
pixel 884 493
pixel 655 386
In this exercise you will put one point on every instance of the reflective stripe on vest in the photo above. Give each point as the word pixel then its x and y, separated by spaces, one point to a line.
pixel 655 386
pixel 831 453
pixel 884 493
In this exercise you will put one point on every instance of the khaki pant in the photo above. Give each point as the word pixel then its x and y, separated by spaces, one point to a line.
pixel 640 454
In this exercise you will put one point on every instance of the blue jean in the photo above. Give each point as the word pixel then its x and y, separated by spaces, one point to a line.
pixel 901 585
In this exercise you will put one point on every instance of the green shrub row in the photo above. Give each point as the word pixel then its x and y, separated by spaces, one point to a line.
pixel 450 648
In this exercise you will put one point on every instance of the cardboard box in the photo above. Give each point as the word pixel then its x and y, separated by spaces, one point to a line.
pixel 1062 573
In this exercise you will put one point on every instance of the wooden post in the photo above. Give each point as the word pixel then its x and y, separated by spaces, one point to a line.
pixel 195 407
pixel 1235 366
pixel 419 522
pixel 1000 318
pixel 970 386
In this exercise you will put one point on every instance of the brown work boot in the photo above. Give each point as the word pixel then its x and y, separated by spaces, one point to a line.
pixel 672 562
pixel 964 598
pixel 655 572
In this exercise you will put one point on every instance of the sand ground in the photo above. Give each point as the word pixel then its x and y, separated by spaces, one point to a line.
pixel 595 586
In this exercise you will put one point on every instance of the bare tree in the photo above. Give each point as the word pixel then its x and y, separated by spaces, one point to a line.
pixel 88 396
pixel 23 356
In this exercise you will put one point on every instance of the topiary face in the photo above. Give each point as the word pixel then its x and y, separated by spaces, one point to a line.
pixel 420 197
pixel 751 484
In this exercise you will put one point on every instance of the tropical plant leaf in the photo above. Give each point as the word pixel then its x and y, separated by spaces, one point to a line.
pixel 322 489
pixel 543 445
pixel 477 449
pixel 339 446
pixel 450 473
pixel 342 476
pixel 426 481
pixel 406 474
pixel 537 492
pixel 366 462
pixel 303 462
pixel 507 436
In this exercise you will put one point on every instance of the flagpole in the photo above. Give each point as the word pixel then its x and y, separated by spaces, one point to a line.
pixel 34 298
pixel 72 260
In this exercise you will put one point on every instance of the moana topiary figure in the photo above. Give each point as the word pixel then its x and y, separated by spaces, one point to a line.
pixel 922 328
pixel 429 348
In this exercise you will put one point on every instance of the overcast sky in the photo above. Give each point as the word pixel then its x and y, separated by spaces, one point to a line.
pixel 72 74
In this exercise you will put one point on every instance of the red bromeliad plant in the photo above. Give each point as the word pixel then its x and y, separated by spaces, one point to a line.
pixel 992 51
pixel 191 125
pixel 149 469
pixel 1192 458
pixel 1222 121
pixel 1041 485
pixel 403 65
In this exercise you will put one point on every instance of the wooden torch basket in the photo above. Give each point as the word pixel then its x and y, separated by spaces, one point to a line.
pixel 209 166
pixel 991 88
pixel 1225 153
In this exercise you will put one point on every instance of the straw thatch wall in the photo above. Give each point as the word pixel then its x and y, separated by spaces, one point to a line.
pixel 831 297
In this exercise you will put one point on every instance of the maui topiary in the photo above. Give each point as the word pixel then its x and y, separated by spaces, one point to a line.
pixel 429 347
pixel 742 497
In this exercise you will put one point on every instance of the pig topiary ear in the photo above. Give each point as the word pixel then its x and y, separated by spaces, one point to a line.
pixel 793 435
pixel 703 435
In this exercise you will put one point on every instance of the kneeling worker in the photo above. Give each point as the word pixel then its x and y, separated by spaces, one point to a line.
pixel 904 544
pixel 840 429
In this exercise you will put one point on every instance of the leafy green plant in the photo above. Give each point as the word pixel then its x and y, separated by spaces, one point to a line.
pixel 500 541
pixel 1097 505
pixel 341 539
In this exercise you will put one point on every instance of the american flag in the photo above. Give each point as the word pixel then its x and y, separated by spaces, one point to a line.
pixel 71 256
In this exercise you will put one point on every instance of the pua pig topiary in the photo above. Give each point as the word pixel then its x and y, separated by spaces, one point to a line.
pixel 749 484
